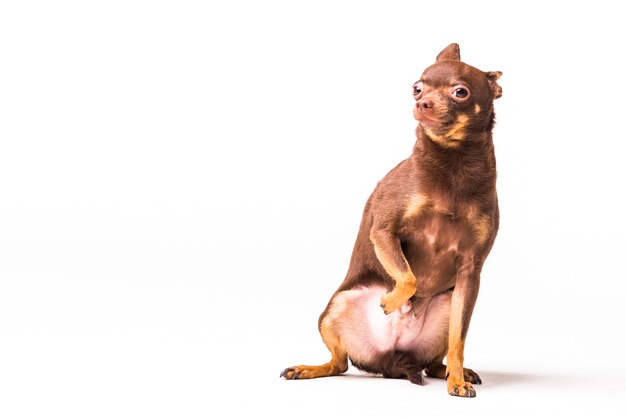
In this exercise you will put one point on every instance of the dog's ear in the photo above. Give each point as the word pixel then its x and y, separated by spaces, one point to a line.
pixel 452 52
pixel 492 77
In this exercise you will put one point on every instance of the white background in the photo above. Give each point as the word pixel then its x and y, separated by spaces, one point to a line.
pixel 181 184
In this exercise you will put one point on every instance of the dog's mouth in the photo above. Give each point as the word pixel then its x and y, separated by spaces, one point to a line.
pixel 444 127
pixel 432 119
pixel 439 124
pixel 446 133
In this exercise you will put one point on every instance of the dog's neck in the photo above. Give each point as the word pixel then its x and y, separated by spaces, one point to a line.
pixel 466 170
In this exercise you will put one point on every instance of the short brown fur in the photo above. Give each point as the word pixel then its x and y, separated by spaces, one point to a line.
pixel 428 226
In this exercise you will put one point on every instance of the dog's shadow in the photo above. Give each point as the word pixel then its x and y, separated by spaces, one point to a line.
pixel 499 379
pixel 491 379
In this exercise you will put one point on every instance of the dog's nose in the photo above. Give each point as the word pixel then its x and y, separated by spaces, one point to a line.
pixel 424 104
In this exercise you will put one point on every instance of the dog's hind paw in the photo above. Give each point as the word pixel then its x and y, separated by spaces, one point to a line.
pixel 291 373
pixel 308 372
pixel 471 376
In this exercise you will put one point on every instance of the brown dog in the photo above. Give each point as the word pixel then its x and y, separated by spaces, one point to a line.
pixel 425 233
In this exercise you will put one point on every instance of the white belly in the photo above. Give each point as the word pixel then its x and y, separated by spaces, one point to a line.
pixel 367 332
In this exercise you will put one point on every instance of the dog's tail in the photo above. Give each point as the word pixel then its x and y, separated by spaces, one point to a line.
pixel 396 364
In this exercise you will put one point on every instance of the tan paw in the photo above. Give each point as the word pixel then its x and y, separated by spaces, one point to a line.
pixel 296 372
pixel 461 389
pixel 395 299
pixel 308 372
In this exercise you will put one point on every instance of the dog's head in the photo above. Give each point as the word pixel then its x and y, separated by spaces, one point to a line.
pixel 454 100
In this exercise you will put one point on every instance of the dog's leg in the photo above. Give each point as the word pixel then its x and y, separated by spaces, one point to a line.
pixel 389 253
pixel 461 308
pixel 338 362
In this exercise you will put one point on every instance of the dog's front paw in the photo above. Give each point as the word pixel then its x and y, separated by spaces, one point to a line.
pixel 393 300
pixel 461 389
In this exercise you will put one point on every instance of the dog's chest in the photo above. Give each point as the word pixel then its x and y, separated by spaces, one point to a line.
pixel 438 227
pixel 432 240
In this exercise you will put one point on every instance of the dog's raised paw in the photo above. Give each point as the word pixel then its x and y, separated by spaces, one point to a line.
pixel 397 298
pixel 391 301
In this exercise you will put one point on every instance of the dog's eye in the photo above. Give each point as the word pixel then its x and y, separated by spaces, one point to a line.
pixel 417 88
pixel 460 92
